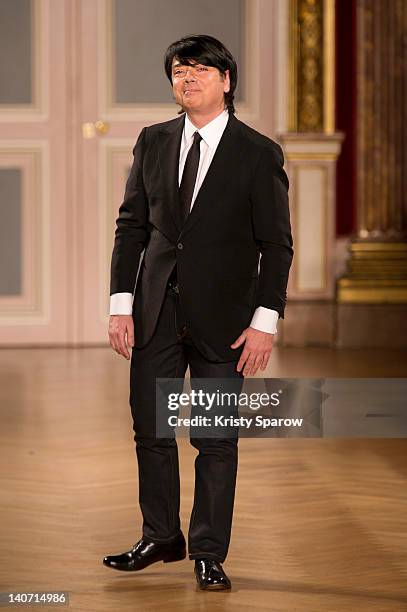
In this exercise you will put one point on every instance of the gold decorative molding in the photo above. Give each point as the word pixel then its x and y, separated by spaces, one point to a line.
pixel 293 66
pixel 378 260
pixel 312 66
pixel 377 273
pixel 311 156
pixel 372 292
pixel 329 66
pixel 310 90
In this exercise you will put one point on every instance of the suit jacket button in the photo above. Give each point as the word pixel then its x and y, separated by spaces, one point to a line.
pixel 180 246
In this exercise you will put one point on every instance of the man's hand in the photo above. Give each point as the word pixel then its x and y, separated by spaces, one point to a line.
pixel 256 352
pixel 121 326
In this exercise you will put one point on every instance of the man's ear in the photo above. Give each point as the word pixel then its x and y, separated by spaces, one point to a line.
pixel 226 78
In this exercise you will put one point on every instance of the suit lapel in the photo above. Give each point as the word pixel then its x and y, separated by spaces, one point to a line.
pixel 169 144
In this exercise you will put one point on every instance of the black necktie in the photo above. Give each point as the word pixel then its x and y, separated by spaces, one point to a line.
pixel 186 189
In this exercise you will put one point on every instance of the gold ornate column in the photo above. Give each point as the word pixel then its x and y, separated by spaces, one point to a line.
pixel 312 70
pixel 377 268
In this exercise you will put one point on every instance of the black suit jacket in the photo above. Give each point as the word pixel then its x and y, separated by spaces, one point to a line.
pixel 241 210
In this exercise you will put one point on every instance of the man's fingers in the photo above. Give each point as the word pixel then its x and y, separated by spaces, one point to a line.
pixel 122 344
pixel 112 342
pixel 242 359
pixel 130 337
pixel 247 368
pixel 249 364
pixel 126 339
pixel 257 362
pixel 265 360
pixel 254 360
pixel 118 342
pixel 239 340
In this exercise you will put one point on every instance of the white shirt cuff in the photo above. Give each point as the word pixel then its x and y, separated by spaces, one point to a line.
pixel 265 319
pixel 121 303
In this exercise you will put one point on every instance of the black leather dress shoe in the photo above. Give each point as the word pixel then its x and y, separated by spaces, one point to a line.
pixel 145 553
pixel 210 575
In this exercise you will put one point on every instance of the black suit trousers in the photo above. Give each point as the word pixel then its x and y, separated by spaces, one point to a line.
pixel 167 355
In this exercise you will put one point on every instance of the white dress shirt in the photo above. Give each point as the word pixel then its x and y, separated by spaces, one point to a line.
pixel 264 319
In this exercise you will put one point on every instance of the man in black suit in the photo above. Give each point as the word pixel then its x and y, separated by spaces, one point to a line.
pixel 206 197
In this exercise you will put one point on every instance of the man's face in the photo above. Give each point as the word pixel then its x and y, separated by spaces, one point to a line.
pixel 199 87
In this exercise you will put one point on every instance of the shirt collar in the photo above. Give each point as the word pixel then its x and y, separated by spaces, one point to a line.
pixel 211 132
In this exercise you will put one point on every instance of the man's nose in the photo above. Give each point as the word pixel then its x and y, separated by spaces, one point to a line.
pixel 190 75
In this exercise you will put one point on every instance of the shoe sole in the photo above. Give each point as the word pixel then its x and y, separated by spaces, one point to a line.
pixel 177 557
pixel 215 587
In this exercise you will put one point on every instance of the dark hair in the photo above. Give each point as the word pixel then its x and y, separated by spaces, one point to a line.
pixel 206 50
